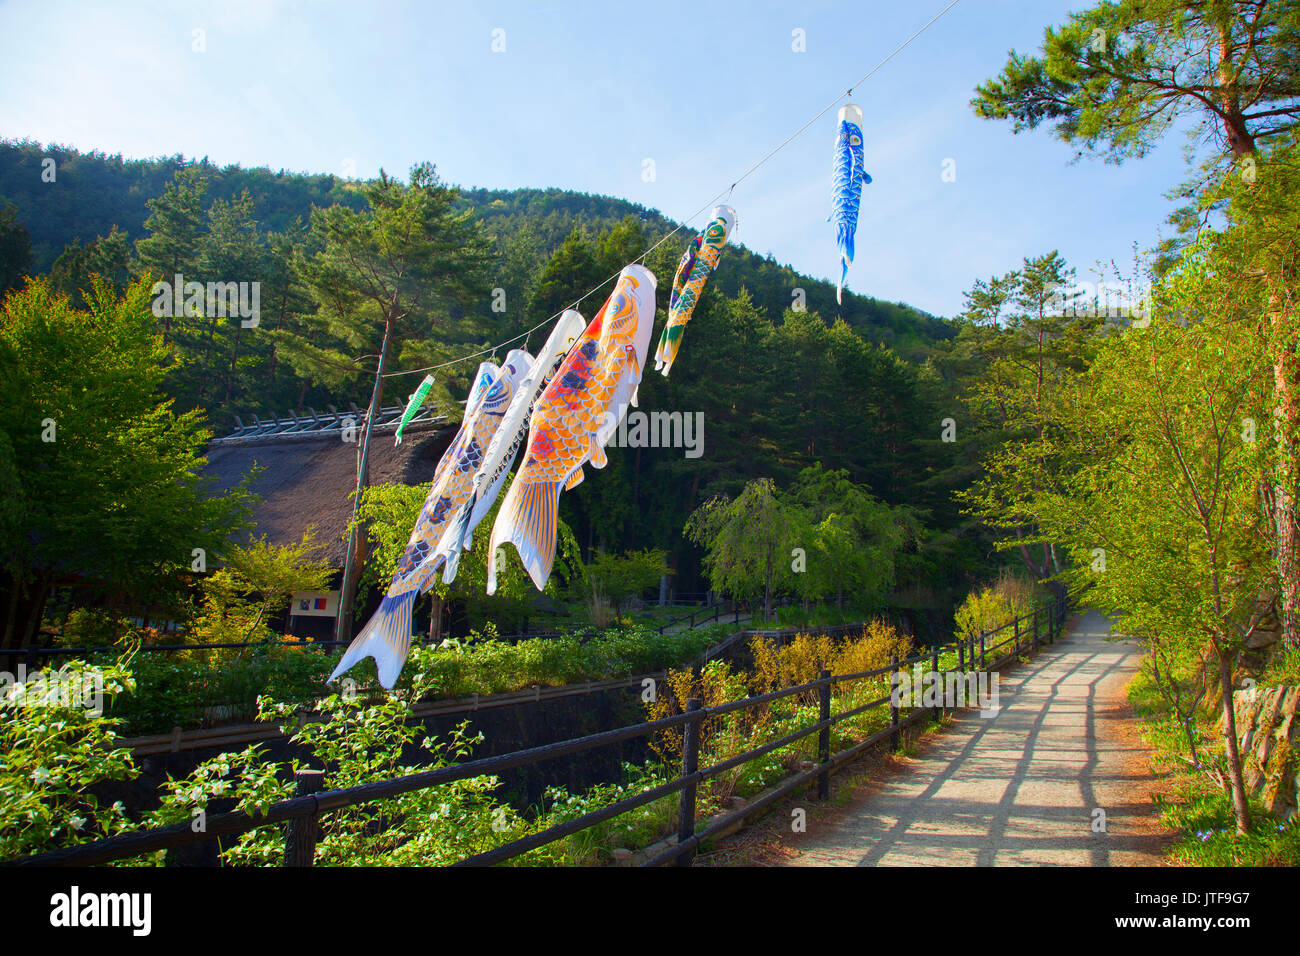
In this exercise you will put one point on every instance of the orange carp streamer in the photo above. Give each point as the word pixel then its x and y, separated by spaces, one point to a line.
pixel 573 420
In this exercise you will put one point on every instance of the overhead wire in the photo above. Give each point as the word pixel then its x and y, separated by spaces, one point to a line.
pixel 725 191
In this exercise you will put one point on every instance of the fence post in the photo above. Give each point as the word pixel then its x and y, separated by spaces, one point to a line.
pixel 893 701
pixel 1035 637
pixel 824 737
pixel 934 676
pixel 301 834
pixel 981 650
pixel 1016 628
pixel 1051 621
pixel 690 758
pixel 961 655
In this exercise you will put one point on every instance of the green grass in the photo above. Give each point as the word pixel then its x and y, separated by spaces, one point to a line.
pixel 1197 809
pixel 1284 669
pixel 1208 832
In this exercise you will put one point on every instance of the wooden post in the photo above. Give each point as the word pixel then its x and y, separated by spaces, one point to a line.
pixel 893 702
pixel 824 737
pixel 961 656
pixel 690 758
pixel 1016 628
pixel 934 675
pixel 1051 622
pixel 301 834
pixel 981 650
pixel 1035 630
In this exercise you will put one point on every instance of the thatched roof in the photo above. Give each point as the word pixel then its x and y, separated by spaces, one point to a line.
pixel 309 478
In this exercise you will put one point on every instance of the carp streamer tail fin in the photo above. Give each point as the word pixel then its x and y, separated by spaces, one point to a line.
pixel 528 521
pixel 845 238
pixel 669 342
pixel 386 637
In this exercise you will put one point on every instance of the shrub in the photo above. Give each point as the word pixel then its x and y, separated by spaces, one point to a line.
pixel 986 609
pixel 51 752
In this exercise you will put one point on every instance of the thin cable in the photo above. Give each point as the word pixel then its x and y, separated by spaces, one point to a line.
pixel 724 192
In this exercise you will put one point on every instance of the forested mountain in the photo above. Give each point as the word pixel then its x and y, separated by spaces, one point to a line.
pixel 779 389
pixel 97 192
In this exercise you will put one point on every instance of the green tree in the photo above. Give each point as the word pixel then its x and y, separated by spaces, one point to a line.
pixel 748 541
pixel 108 257
pixel 1116 76
pixel 396 269
pixel 254 586
pixel 1160 505
pixel 620 577
pixel 103 478
pixel 389 513
pixel 1033 336
pixel 175 227
pixel 15 250
pixel 1264 218
pixel 855 539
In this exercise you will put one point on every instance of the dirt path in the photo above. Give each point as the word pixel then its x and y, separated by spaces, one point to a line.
pixel 1020 788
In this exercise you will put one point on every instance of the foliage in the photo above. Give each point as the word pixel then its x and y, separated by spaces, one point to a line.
pixel 476 666
pixel 241 599
pixel 105 476
pixel 15 250
pixel 1148 469
pixel 807 655
pixel 53 747
pixel 748 541
pixel 999 603
pixel 201 688
pixel 634 829
pixel 778 390
pixel 389 512
pixel 853 540
pixel 622 577
pixel 357 743
pixel 729 735
pixel 196 688
pixel 1031 336
pixel 95 627
pixel 1117 75
pixel 1196 806
pixel 1283 669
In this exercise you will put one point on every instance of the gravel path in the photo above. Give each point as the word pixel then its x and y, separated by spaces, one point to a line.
pixel 1020 788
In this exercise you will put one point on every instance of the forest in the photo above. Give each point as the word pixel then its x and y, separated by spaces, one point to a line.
pixel 935 476
pixel 782 377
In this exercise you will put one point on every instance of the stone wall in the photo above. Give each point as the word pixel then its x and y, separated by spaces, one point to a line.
pixel 1269 735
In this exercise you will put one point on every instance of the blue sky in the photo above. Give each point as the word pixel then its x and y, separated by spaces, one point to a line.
pixel 585 92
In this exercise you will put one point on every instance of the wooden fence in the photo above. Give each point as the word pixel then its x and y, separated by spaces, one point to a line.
pixel 302 812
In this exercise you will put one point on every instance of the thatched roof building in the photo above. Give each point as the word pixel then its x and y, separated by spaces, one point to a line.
pixel 310 469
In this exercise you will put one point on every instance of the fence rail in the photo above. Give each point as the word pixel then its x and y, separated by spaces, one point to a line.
pixel 303 811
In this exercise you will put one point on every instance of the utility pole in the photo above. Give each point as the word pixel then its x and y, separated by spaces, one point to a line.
pixel 348 586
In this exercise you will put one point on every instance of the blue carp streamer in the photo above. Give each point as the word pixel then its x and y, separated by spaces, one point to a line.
pixel 849 176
